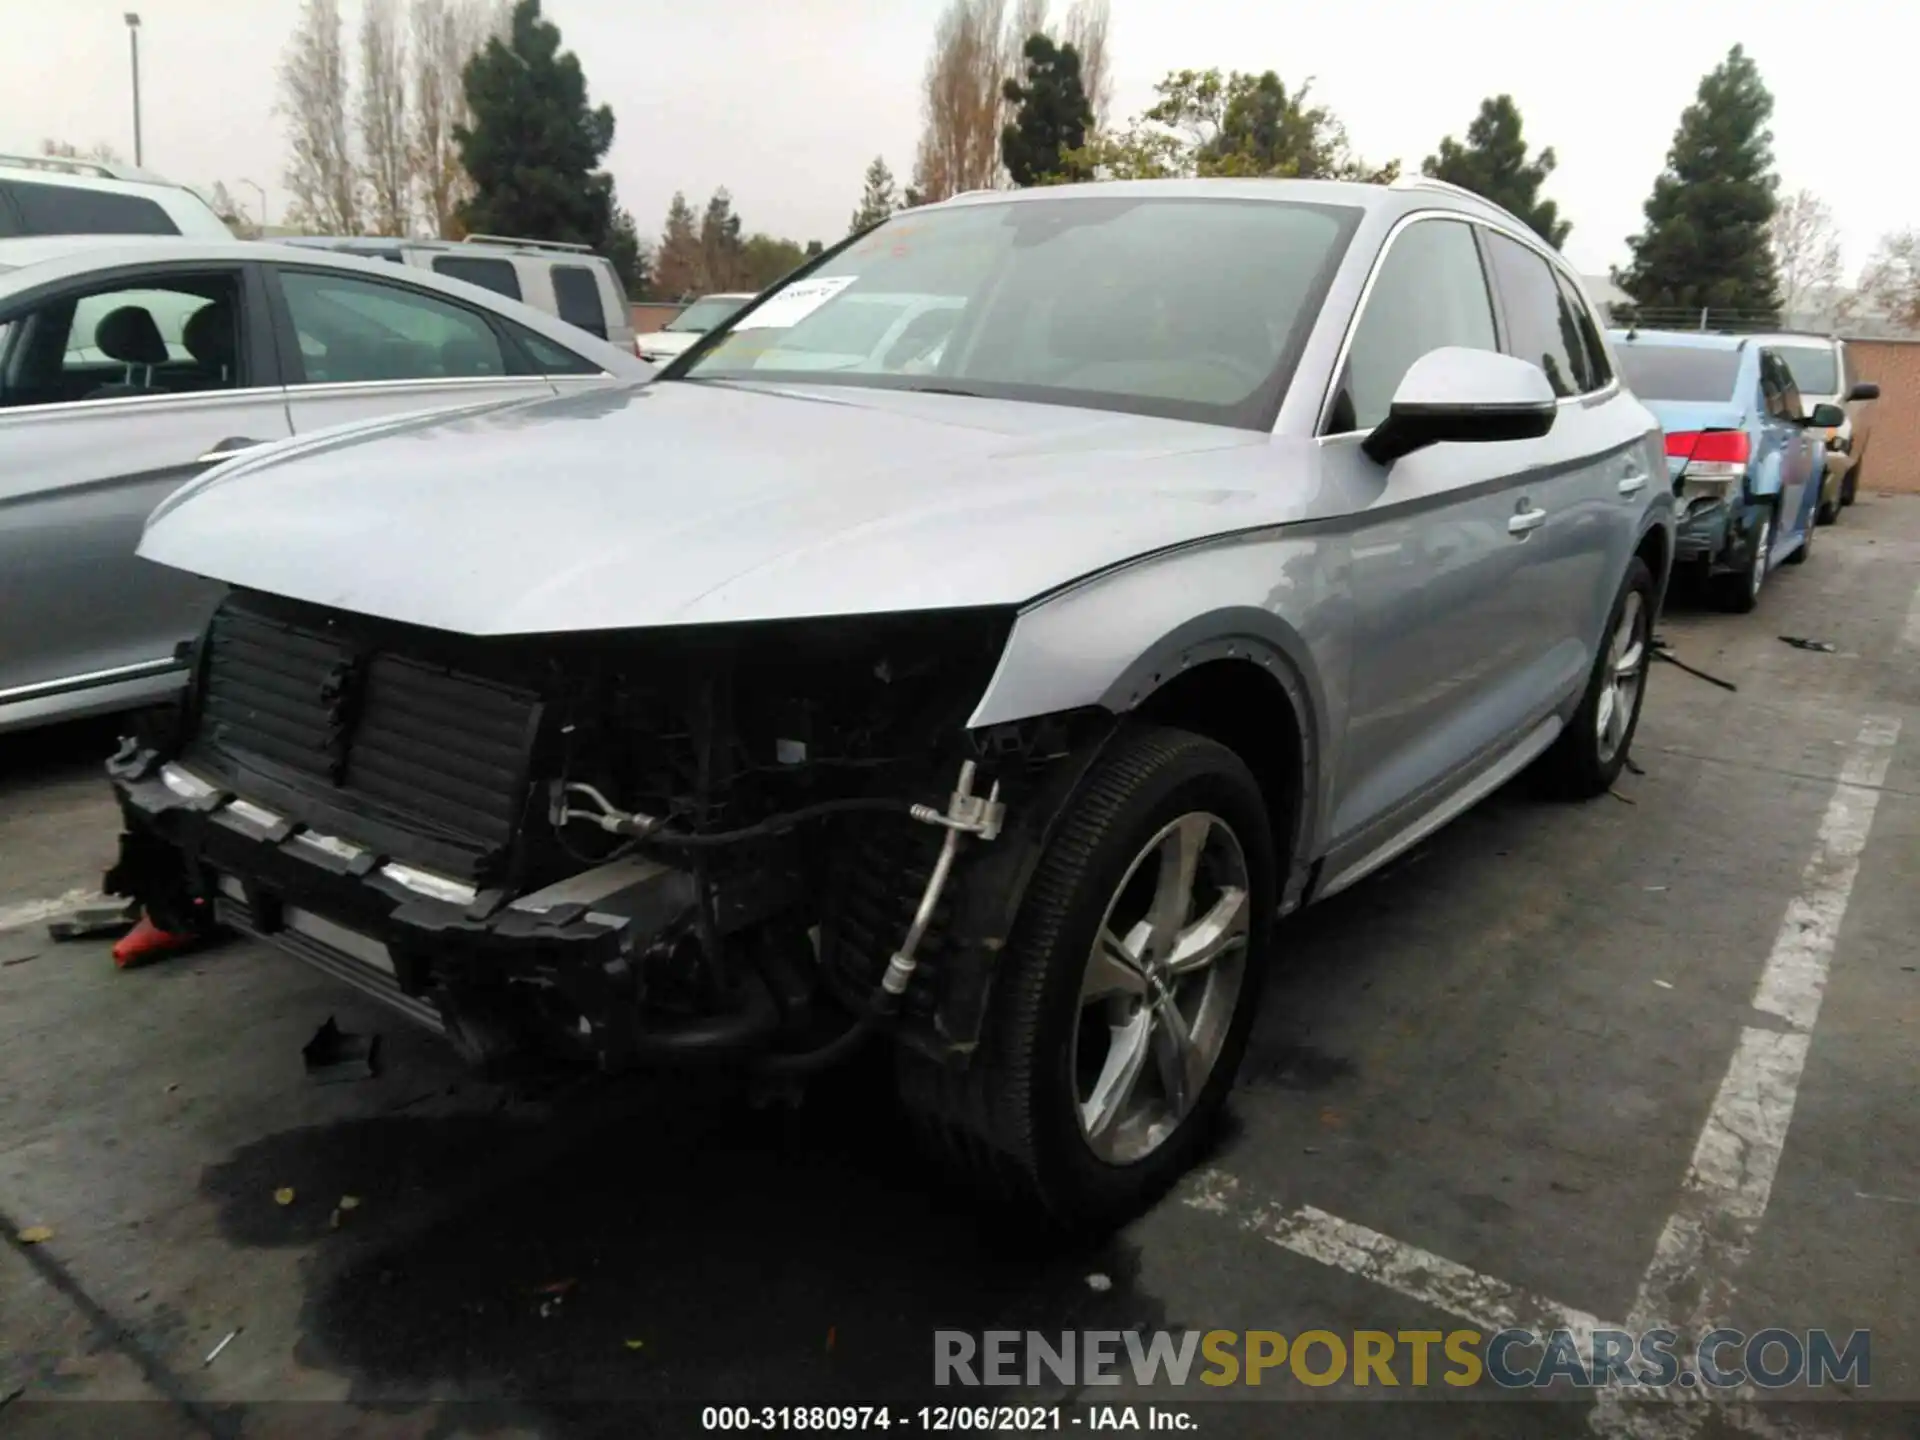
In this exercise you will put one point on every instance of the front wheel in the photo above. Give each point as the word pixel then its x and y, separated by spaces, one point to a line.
pixel 1591 751
pixel 1125 993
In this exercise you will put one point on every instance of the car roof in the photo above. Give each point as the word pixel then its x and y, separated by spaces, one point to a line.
pixel 1681 339
pixel 67 169
pixel 500 248
pixel 26 263
pixel 1795 337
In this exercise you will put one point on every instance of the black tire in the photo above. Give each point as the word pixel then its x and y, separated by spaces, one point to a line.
pixel 1829 510
pixel 1850 487
pixel 1577 766
pixel 1739 593
pixel 1008 1121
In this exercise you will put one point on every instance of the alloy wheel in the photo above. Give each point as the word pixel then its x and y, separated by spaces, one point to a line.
pixel 1626 672
pixel 1762 552
pixel 1161 987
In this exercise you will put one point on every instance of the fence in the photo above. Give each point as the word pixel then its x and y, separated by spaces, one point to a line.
pixel 1822 321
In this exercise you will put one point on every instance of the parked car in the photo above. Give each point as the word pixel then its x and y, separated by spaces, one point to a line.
pixel 1823 371
pixel 678 334
pixel 567 281
pixel 1244 533
pixel 130 365
pixel 55 195
pixel 1744 456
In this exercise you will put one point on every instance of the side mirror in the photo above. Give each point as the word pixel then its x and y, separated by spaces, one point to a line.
pixel 1457 394
pixel 1826 417
pixel 1864 390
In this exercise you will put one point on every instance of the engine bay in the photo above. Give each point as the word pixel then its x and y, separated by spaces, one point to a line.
pixel 758 841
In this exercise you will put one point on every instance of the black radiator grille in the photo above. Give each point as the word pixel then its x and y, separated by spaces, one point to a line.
pixel 358 723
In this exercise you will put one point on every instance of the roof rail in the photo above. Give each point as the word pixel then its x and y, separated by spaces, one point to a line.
pixel 72 165
pixel 523 240
pixel 1428 182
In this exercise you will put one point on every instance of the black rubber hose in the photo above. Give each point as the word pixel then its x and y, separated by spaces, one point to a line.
pixel 805 1062
pixel 773 825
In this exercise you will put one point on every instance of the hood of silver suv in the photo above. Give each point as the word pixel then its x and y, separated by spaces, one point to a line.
pixel 693 503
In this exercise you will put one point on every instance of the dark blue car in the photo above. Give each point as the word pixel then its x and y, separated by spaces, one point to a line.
pixel 1744 457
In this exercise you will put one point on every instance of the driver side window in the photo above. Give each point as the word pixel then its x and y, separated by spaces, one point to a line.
pixel 1429 291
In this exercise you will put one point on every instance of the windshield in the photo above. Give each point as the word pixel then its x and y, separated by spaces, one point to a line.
pixel 703 315
pixel 1678 372
pixel 1814 368
pixel 1190 308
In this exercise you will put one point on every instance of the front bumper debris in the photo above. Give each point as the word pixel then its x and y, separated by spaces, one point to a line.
pixel 421 943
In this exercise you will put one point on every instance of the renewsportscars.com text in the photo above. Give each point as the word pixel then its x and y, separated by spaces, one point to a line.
pixel 1514 1359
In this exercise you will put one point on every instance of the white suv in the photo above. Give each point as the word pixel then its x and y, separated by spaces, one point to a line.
pixel 1824 374
pixel 568 282
pixel 54 195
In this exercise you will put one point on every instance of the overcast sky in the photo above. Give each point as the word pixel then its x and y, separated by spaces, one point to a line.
pixel 785 101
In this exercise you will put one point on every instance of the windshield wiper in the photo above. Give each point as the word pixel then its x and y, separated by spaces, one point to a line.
pixel 942 390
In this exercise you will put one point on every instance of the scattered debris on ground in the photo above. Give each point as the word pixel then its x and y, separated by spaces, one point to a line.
pixel 1663 651
pixel 334 1055
pixel 1097 1281
pixel 20 959
pixel 1801 642
pixel 35 1235
pixel 214 1354
pixel 283 1196
pixel 96 922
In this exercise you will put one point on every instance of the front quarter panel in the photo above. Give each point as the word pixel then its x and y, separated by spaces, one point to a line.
pixel 1279 598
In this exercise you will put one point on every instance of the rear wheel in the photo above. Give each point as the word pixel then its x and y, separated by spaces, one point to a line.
pixel 1125 993
pixel 1589 755
pixel 1740 592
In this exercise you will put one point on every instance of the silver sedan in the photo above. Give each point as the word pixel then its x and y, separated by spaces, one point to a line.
pixel 128 365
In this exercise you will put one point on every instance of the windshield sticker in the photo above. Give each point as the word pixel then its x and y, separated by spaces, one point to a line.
pixel 795 303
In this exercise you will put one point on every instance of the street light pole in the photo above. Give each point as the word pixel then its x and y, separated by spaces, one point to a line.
pixel 133 40
pixel 261 191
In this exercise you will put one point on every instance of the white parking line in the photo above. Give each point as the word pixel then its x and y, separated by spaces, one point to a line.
pixel 1404 1269
pixel 31 912
pixel 1730 1179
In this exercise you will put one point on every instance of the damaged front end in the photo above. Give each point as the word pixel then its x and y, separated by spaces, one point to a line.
pixel 753 842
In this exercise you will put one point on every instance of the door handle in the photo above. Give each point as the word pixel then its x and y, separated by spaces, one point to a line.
pixel 1526 522
pixel 1633 484
pixel 227 448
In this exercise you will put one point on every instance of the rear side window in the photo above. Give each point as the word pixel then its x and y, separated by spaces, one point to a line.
pixel 353 330
pixel 496 275
pixel 1678 372
pixel 577 293
pixel 1430 292
pixel 68 210
pixel 1578 315
pixel 1541 326
pixel 548 357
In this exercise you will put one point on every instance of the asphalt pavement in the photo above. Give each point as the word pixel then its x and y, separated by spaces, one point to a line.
pixel 1651 1058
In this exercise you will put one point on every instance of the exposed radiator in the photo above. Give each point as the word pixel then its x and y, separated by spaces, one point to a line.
pixel 363 723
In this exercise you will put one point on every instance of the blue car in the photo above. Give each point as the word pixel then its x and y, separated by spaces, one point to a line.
pixel 1744 457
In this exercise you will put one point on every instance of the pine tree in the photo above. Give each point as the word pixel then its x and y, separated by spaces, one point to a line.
pixel 534 142
pixel 676 259
pixel 1053 116
pixel 877 200
pixel 1705 244
pixel 1493 163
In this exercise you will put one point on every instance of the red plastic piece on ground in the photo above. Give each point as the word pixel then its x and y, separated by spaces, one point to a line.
pixel 147 942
